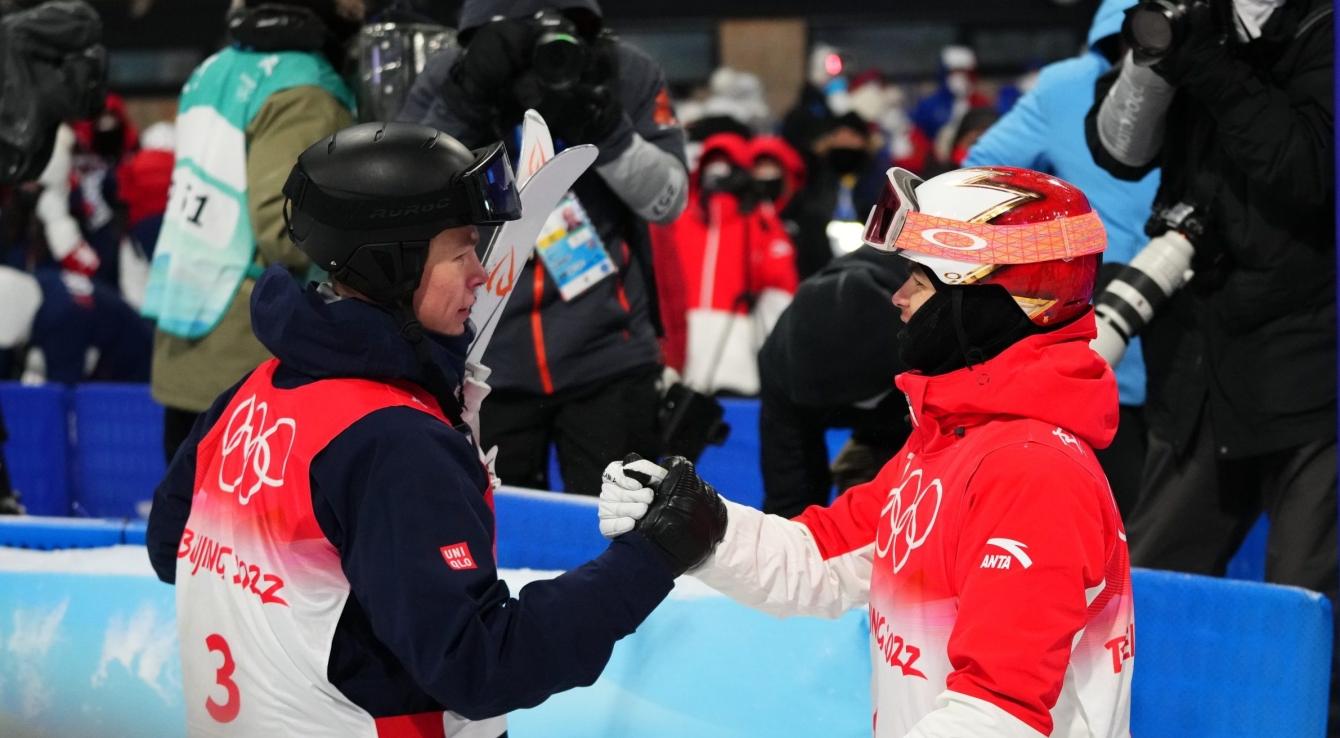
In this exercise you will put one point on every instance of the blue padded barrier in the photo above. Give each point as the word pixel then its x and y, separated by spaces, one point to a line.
pixel 119 431
pixel 546 530
pixel 1249 562
pixel 1218 658
pixel 57 533
pixel 37 452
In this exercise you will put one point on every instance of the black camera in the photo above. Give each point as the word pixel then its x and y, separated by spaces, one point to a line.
pixel 690 421
pixel 560 51
pixel 1153 28
pixel 1162 267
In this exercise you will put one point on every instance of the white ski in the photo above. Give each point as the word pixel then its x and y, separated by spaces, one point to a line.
pixel 537 147
pixel 513 241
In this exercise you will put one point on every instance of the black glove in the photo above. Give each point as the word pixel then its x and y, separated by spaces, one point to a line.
pixel 1202 48
pixel 497 54
pixel 687 518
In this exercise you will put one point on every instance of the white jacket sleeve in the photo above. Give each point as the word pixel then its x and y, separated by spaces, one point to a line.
pixel 53 205
pixel 774 565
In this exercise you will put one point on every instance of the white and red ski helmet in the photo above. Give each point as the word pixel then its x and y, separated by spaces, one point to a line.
pixel 1029 232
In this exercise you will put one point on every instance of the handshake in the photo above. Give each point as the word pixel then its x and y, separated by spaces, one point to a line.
pixel 679 513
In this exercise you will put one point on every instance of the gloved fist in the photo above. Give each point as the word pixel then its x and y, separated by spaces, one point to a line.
pixel 686 519
pixel 497 54
pixel 79 287
pixel 625 494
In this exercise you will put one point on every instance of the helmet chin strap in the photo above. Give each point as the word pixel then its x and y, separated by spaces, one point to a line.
pixel 433 378
pixel 972 355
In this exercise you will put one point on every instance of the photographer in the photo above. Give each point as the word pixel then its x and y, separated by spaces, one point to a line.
pixel 1241 362
pixel 575 361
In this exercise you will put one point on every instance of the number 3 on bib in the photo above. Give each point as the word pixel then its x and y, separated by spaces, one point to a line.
pixel 226 711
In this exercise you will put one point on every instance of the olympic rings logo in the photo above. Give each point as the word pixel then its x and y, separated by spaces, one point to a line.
pixel 256 452
pixel 932 236
pixel 904 520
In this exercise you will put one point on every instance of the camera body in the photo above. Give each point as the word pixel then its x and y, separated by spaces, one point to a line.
pixel 690 421
pixel 1162 267
pixel 561 53
pixel 1154 28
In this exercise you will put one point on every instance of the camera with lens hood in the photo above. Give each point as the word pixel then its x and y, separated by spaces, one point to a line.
pixel 560 53
pixel 1136 293
pixel 1154 28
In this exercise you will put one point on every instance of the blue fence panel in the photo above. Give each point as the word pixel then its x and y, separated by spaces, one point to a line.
pixel 546 530
pixel 734 468
pixel 38 450
pixel 1249 562
pixel 1218 658
pixel 49 534
pixel 119 432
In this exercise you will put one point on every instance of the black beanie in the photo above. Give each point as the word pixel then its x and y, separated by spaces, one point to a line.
pixel 961 326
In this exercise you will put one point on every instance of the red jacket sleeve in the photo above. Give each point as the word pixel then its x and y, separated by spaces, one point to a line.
pixel 1032 541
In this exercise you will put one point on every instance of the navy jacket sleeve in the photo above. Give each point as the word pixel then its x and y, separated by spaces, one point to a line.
pixel 401 488
pixel 172 497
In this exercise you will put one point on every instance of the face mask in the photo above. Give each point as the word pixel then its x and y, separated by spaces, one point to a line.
pixel 110 143
pixel 847 161
pixel 770 189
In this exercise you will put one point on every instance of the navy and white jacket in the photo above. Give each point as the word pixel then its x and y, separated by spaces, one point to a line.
pixel 416 636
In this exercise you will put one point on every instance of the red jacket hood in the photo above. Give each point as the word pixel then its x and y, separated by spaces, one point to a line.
pixel 1054 378
pixel 776 148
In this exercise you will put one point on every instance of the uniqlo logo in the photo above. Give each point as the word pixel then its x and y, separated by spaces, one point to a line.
pixel 458 556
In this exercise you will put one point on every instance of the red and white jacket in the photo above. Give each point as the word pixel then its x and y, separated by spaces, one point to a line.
pixel 736 273
pixel 989 551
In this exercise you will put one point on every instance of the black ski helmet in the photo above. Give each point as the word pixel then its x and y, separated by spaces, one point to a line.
pixel 364 202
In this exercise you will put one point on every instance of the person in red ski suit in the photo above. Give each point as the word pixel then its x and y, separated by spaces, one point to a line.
pixel 989 550
pixel 737 266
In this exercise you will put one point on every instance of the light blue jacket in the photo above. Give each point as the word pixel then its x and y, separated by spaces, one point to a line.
pixel 1045 131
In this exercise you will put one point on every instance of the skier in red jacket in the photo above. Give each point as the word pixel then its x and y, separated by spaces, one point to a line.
pixel 989 550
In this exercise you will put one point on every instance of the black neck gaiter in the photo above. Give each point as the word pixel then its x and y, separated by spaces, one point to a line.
pixel 962 326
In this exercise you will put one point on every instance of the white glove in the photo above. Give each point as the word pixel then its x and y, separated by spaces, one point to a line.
pixel 623 499
pixel 474 388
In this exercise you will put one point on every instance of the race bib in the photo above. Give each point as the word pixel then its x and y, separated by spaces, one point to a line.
pixel 201 210
pixel 571 249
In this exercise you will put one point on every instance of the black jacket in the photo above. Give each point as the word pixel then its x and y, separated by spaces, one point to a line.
pixel 414 635
pixel 830 362
pixel 610 329
pixel 1249 141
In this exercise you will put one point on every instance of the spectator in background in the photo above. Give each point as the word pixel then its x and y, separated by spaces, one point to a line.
pixel 812 115
pixel 836 162
pixel 738 264
pixel 821 369
pixel 735 104
pixel 245 116
pixel 100 146
pixel 575 362
pixel 904 145
pixel 1045 131
pixel 970 128
pixel 939 114
pixel 1241 404
pixel 144 179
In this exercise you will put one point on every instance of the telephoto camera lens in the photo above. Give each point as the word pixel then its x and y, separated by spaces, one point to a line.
pixel 1132 298
pixel 1154 28
pixel 560 53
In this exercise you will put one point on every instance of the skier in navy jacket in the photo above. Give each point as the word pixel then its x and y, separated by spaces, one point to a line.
pixel 361 597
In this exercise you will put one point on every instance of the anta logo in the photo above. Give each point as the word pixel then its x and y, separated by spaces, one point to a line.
pixel 427 207
pixel 501 282
pixel 255 450
pixel 1068 440
pixel 1002 561
pixel 458 556
pixel 907 518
